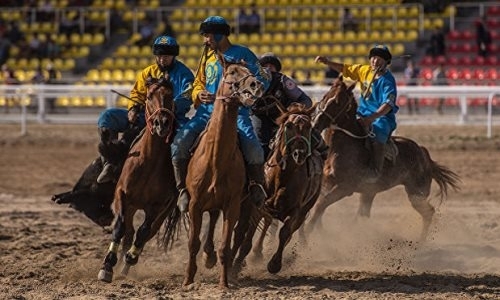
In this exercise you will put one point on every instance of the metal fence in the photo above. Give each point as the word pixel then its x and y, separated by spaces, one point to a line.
pixel 29 103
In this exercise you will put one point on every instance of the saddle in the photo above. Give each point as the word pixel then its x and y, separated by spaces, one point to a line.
pixel 391 150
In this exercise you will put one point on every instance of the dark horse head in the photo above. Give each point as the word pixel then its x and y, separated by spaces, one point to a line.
pixel 160 118
pixel 337 106
pixel 294 134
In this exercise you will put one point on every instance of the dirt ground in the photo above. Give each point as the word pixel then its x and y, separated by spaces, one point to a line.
pixel 49 251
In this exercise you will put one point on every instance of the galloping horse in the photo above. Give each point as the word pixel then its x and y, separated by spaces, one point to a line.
pixel 146 182
pixel 293 179
pixel 216 173
pixel 348 157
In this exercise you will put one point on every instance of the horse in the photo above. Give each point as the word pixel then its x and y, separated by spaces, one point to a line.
pixel 146 182
pixel 293 179
pixel 216 173
pixel 348 157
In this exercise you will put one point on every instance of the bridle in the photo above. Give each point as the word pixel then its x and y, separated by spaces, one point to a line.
pixel 151 116
pixel 333 119
pixel 290 139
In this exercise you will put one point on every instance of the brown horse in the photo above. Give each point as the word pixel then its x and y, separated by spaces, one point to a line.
pixel 293 178
pixel 146 182
pixel 216 173
pixel 348 157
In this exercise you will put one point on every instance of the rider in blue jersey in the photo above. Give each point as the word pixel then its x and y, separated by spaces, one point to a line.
pixel 377 105
pixel 131 121
pixel 215 31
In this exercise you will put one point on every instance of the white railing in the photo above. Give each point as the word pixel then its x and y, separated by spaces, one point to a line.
pixel 38 95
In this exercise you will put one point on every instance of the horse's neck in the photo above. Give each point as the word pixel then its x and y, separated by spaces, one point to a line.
pixel 152 144
pixel 222 127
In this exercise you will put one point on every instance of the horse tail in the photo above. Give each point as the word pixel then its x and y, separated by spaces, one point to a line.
pixel 170 229
pixel 444 177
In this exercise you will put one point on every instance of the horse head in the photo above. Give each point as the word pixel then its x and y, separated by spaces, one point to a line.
pixel 239 84
pixel 294 133
pixel 337 105
pixel 160 118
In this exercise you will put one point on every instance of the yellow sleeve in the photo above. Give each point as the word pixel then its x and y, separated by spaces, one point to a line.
pixel 139 91
pixel 200 79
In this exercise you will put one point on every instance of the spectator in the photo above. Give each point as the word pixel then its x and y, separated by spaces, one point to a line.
pixel 243 21
pixel 349 23
pixel 9 78
pixel 38 77
pixel 14 34
pixel 483 37
pixel 254 20
pixel 437 45
pixel 69 24
pixel 411 74
pixel 439 78
pixel 5 45
pixel 146 31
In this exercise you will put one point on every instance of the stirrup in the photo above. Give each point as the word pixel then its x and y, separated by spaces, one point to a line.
pixel 259 196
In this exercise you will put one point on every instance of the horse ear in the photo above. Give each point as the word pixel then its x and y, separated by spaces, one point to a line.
pixel 166 76
pixel 243 62
pixel 341 77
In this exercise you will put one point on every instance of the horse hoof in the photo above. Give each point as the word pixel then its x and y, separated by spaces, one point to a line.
pixel 210 260
pixel 273 268
pixel 105 276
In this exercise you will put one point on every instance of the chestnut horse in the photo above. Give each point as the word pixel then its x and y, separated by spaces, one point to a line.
pixel 348 157
pixel 216 173
pixel 293 179
pixel 146 182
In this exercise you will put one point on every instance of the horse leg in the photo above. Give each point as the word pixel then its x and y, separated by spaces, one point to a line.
pixel 290 225
pixel 418 192
pixel 334 195
pixel 365 204
pixel 194 243
pixel 120 226
pixel 231 215
pixel 209 254
pixel 142 236
pixel 245 247
pixel 259 246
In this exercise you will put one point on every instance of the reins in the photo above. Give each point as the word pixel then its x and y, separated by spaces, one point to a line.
pixel 152 115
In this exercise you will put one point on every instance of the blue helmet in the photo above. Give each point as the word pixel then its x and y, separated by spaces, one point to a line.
pixel 215 25
pixel 165 45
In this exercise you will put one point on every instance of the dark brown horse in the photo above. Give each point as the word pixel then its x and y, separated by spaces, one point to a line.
pixel 293 179
pixel 146 182
pixel 348 157
pixel 216 173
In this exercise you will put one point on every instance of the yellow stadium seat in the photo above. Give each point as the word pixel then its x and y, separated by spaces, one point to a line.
pixel 108 62
pixel 129 75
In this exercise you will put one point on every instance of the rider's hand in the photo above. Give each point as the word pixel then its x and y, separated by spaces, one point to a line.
pixel 366 121
pixel 206 97
pixel 132 116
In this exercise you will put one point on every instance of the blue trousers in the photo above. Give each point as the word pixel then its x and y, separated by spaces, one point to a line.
pixel 187 135
pixel 116 119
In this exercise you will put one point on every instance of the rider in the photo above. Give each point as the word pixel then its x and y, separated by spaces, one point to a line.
pixel 132 120
pixel 215 31
pixel 286 91
pixel 377 105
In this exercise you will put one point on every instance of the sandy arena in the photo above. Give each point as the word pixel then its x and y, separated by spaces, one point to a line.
pixel 50 251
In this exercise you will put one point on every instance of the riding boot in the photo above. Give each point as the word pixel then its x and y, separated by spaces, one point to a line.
pixel 109 169
pixel 319 144
pixel 256 184
pixel 180 170
pixel 377 162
